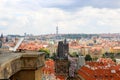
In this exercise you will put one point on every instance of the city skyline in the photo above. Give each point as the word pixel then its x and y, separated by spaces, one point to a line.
pixel 71 16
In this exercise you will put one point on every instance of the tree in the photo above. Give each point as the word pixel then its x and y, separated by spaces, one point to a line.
pixel 88 57
pixel 47 52
pixel 53 56
pixel 95 58
pixel 103 56
pixel 109 55
pixel 74 54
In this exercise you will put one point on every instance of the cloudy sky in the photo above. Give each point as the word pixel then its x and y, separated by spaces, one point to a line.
pixel 71 16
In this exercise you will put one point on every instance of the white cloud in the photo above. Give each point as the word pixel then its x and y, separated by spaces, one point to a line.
pixel 45 20
pixel 56 2
pixel 3 23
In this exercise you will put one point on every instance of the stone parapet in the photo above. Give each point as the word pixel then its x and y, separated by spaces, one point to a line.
pixel 11 63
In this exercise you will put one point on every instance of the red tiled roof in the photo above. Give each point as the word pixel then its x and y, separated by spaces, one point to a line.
pixel 61 77
pixel 30 46
pixel 100 70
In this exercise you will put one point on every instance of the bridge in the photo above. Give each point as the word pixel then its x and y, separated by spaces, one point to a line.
pixel 21 66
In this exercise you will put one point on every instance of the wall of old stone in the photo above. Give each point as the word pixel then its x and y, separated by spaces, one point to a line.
pixel 21 66
pixel 38 74
pixel 28 75
pixel 24 75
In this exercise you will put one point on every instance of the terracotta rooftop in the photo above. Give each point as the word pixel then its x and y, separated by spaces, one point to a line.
pixel 100 71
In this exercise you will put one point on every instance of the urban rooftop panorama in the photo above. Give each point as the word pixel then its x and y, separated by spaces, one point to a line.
pixel 78 57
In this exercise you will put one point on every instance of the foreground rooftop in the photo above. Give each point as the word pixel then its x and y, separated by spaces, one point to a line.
pixel 100 71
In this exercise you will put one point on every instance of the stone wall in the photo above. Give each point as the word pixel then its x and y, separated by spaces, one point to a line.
pixel 18 65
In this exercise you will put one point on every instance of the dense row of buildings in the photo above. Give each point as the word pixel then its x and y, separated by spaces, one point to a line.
pixel 75 66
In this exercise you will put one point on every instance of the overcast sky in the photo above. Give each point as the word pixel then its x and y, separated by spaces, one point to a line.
pixel 71 16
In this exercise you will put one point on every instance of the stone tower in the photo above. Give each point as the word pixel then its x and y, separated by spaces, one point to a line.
pixel 63 50
pixel 61 60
